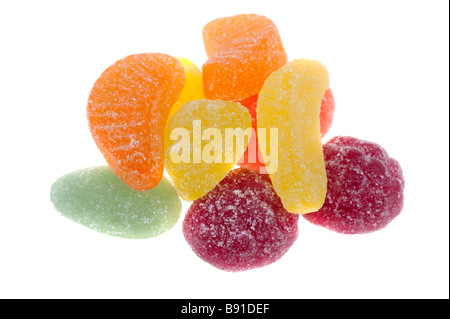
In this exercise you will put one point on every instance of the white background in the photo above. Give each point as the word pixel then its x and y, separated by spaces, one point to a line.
pixel 388 65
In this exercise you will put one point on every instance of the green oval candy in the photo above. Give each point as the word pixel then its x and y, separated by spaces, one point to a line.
pixel 97 198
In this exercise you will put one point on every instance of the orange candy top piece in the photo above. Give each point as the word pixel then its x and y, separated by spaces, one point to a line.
pixel 243 50
pixel 127 112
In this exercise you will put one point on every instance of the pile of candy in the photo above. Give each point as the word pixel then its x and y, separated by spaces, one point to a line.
pixel 240 218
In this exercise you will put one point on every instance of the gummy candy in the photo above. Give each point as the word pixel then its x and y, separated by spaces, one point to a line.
pixel 241 224
pixel 290 101
pixel 127 112
pixel 192 89
pixel 252 157
pixel 98 199
pixel 365 187
pixel 326 112
pixel 195 172
pixel 242 50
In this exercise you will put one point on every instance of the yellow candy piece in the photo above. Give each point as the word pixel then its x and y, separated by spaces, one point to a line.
pixel 203 141
pixel 192 89
pixel 290 101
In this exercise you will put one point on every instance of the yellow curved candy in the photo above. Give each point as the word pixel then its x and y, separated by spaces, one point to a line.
pixel 192 89
pixel 290 101
pixel 202 144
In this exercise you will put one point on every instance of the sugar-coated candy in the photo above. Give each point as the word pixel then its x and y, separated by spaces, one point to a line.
pixel 365 187
pixel 241 224
pixel 290 102
pixel 192 89
pixel 326 112
pixel 97 198
pixel 252 157
pixel 242 51
pixel 199 150
pixel 127 112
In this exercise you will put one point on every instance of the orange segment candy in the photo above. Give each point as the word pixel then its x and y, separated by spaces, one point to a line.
pixel 243 50
pixel 127 111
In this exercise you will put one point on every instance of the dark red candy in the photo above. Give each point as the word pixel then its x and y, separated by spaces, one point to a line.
pixel 365 187
pixel 241 224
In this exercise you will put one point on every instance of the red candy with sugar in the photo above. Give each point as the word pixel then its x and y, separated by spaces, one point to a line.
pixel 252 157
pixel 241 224
pixel 365 187
pixel 326 112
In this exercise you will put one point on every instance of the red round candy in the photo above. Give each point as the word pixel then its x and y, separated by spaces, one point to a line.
pixel 365 187
pixel 241 224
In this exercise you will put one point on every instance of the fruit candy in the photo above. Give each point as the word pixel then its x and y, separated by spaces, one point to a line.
pixel 196 171
pixel 241 224
pixel 365 187
pixel 242 51
pixel 252 157
pixel 326 112
pixel 192 89
pixel 98 199
pixel 127 111
pixel 290 101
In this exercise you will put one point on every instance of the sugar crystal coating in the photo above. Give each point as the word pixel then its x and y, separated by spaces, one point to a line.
pixel 127 112
pixel 242 51
pixel 241 224
pixel 290 102
pixel 365 187
pixel 97 198
pixel 204 124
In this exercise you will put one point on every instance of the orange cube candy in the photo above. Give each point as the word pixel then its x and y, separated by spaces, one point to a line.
pixel 243 50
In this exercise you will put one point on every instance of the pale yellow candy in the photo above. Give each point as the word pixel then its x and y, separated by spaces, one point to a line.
pixel 200 145
pixel 192 89
pixel 290 101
